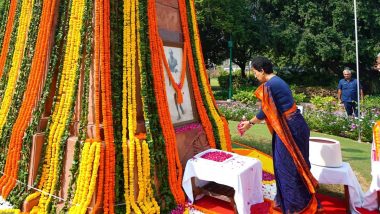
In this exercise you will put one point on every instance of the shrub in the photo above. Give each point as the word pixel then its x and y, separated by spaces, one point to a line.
pixel 246 97
pixel 328 103
pixel 323 119
pixel 298 97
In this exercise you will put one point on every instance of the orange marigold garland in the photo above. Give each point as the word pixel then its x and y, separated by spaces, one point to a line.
pixel 175 168
pixel 221 123
pixel 154 131
pixel 7 35
pixel 102 47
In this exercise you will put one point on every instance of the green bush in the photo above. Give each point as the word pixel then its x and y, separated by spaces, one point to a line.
pixel 328 103
pixel 324 118
pixel 245 97
pixel 298 97
pixel 371 102
pixel 221 94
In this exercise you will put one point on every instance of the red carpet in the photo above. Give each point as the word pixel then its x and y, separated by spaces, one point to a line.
pixel 218 206
pixel 331 206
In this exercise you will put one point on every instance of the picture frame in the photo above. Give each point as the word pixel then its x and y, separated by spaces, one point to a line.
pixel 184 113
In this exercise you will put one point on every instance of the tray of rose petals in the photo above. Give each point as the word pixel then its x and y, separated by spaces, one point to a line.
pixel 218 156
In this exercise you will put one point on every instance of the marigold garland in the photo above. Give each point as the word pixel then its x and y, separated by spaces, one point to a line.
pixel 129 100
pixel 155 141
pixel 33 87
pixel 8 181
pixel 7 35
pixel 87 177
pixel 376 141
pixel 63 106
pixel 125 90
pixel 3 20
pixel 25 17
pixel 102 62
pixel 221 123
pixel 177 86
pixel 84 105
pixel 174 165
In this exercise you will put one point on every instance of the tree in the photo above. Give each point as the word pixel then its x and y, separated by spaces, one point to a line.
pixel 319 35
pixel 313 36
pixel 220 20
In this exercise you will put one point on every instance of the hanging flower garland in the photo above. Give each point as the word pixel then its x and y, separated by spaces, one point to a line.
pixel 174 165
pixel 33 86
pixel 8 181
pixel 22 31
pixel 99 194
pixel 154 131
pixel 3 20
pixel 63 107
pixel 127 43
pixel 221 123
pixel 117 97
pixel 109 194
pixel 7 34
pixel 376 141
pixel 87 177
pixel 84 104
pixel 146 198
pixel 177 86
pixel 102 67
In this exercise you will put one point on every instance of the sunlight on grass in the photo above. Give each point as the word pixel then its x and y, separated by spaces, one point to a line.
pixel 214 82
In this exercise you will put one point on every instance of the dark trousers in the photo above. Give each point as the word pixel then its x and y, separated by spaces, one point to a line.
pixel 351 108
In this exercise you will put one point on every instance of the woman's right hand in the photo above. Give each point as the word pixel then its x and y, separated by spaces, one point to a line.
pixel 245 125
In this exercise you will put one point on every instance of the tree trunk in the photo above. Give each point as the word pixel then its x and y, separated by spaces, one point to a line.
pixel 242 68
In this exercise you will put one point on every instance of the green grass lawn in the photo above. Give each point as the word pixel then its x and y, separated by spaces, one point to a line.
pixel 357 154
pixel 214 82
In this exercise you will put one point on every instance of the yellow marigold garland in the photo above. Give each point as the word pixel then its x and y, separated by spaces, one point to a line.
pixel 134 206
pixel 126 176
pixel 151 204
pixel 11 211
pixel 87 177
pixel 376 140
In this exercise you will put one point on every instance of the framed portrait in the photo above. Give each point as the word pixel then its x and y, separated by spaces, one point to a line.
pixel 180 113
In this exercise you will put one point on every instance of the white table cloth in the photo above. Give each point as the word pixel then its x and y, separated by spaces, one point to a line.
pixel 242 173
pixel 370 197
pixel 341 175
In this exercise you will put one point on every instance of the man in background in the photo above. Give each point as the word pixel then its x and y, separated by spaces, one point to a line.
pixel 348 92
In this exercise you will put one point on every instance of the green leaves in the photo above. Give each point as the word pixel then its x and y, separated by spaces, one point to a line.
pixel 312 35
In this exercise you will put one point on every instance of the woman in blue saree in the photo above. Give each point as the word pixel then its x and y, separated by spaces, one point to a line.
pixel 296 185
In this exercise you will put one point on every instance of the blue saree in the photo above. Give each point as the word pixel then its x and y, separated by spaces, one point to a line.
pixel 296 185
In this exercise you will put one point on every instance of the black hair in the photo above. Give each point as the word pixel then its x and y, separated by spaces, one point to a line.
pixel 262 63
